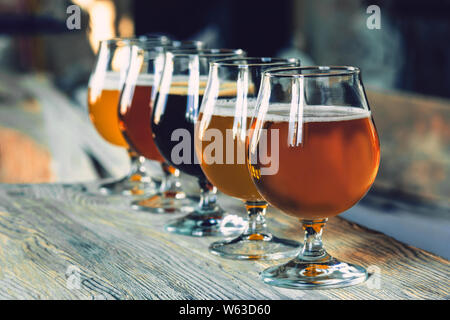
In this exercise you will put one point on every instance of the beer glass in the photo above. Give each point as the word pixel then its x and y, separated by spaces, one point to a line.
pixel 105 85
pixel 135 106
pixel 220 136
pixel 187 44
pixel 316 124
pixel 155 37
pixel 175 112
pixel 135 110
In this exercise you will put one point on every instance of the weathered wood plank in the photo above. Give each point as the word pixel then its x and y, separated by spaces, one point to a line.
pixel 125 254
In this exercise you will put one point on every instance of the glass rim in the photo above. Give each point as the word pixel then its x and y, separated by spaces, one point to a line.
pixel 205 52
pixel 169 46
pixel 131 40
pixel 154 36
pixel 228 62
pixel 187 41
pixel 157 48
pixel 339 71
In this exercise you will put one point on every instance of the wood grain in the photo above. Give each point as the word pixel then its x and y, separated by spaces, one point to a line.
pixel 125 254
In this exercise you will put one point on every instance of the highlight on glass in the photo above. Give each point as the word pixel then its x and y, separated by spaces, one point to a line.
pixel 220 138
pixel 319 120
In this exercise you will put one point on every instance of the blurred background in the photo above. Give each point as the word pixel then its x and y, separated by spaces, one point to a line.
pixel 46 136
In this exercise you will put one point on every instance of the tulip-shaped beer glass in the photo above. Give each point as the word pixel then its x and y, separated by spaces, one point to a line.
pixel 135 111
pixel 105 84
pixel 318 123
pixel 220 137
pixel 175 113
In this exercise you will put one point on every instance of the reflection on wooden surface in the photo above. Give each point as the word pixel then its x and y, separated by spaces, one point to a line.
pixel 47 231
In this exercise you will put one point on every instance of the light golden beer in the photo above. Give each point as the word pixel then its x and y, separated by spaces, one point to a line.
pixel 103 100
pixel 325 173
pixel 231 176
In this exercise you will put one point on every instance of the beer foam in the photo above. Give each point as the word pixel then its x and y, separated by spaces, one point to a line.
pixel 183 78
pixel 180 84
pixel 318 113
pixel 109 80
pixel 113 81
pixel 280 112
pixel 145 79
pixel 227 107
pixel 182 88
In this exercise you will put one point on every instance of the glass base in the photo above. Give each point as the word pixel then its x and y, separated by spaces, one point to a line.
pixel 130 186
pixel 201 224
pixel 318 274
pixel 167 202
pixel 135 185
pixel 256 247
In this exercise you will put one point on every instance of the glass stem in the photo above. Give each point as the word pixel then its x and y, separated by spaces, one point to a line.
pixel 138 169
pixel 312 246
pixel 257 227
pixel 170 183
pixel 208 198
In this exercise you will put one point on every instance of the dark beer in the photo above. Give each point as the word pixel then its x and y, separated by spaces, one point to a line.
pixel 180 113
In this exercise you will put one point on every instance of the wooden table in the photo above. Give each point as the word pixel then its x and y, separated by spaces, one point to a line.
pixel 53 235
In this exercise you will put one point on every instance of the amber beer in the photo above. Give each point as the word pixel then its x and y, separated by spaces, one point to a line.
pixel 135 120
pixel 328 170
pixel 103 102
pixel 180 113
pixel 231 176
